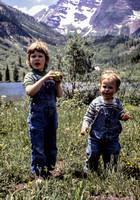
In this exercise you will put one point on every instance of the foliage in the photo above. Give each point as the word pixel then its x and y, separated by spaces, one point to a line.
pixel 7 75
pixel 15 74
pixel 77 57
pixel 17 182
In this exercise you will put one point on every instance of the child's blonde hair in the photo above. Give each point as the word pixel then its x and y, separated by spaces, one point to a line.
pixel 111 76
pixel 40 47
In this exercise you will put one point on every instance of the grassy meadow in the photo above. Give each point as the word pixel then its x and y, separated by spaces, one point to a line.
pixel 17 182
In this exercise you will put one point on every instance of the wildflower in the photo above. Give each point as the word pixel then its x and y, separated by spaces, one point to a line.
pixel 3 96
pixel 29 182
pixel 128 163
pixel 70 154
pixel 131 166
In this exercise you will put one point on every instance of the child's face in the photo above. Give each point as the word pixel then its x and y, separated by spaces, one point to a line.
pixel 108 89
pixel 37 60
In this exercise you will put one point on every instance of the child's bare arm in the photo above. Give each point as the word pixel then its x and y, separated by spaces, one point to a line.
pixel 33 89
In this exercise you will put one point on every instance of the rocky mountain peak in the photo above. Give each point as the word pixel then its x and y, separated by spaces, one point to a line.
pixel 93 17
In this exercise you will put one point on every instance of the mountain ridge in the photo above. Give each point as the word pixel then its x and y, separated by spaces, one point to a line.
pixel 93 17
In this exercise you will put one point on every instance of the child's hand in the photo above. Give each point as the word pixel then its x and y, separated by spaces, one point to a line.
pixel 50 75
pixel 84 130
pixel 126 117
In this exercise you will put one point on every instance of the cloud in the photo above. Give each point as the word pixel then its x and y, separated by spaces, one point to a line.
pixel 32 11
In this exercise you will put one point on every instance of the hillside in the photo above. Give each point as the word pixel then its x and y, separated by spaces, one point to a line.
pixel 17 30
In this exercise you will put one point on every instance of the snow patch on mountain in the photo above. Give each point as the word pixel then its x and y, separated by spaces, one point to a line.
pixel 72 17
pixel 92 17
pixel 136 15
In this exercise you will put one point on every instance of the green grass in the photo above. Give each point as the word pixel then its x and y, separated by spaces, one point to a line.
pixel 16 180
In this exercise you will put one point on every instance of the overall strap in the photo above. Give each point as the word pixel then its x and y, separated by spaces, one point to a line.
pixel 118 103
pixel 35 76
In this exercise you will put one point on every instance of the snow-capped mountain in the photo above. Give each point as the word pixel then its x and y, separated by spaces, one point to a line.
pixel 93 17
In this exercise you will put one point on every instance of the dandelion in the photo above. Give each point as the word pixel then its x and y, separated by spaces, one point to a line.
pixel 128 163
pixel 29 182
pixel 131 166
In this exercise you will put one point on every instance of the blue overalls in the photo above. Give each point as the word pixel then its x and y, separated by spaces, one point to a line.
pixel 42 123
pixel 104 135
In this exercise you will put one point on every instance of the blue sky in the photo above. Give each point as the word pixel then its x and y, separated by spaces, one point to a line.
pixel 30 6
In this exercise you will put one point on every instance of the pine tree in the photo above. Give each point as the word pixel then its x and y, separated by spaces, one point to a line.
pixel 7 74
pixel 15 74
pixel 20 63
pixel 0 76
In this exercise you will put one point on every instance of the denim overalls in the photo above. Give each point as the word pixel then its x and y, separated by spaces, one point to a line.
pixel 42 123
pixel 104 134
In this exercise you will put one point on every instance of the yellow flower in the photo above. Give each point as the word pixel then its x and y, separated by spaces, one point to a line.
pixel 29 182
pixel 3 96
pixel 128 163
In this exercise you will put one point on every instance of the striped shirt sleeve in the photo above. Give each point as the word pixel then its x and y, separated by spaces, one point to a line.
pixel 121 111
pixel 89 116
pixel 28 79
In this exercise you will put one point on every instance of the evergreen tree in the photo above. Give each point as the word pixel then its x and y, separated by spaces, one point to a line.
pixel 20 63
pixel 0 76
pixel 7 74
pixel 15 74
